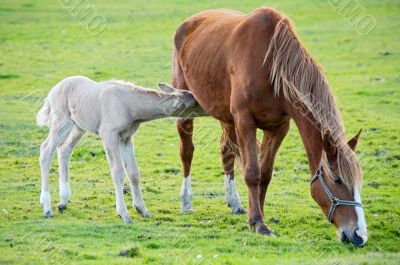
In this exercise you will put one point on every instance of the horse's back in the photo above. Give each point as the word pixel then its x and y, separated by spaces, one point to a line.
pixel 219 48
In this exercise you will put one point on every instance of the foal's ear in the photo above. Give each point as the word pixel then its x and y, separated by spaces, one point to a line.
pixel 353 141
pixel 166 88
pixel 329 145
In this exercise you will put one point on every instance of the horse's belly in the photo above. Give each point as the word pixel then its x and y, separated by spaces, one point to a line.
pixel 212 99
pixel 209 82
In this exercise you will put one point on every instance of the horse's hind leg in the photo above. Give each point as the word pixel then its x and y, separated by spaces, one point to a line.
pixel 132 172
pixel 185 130
pixel 228 142
pixel 111 143
pixel 59 130
pixel 64 152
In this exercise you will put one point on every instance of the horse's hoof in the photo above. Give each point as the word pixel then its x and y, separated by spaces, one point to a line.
pixel 239 210
pixel 263 229
pixel 61 207
pixel 267 233
pixel 48 214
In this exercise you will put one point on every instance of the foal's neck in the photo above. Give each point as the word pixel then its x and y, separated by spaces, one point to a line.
pixel 165 105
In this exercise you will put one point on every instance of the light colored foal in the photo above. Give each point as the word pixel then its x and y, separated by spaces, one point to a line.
pixel 113 110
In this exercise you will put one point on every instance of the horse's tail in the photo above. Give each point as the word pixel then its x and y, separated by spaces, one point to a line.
pixel 43 117
pixel 232 143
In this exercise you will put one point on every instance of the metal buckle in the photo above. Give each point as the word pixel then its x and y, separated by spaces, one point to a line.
pixel 334 200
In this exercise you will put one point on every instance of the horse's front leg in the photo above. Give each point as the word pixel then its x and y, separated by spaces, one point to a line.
pixel 270 145
pixel 246 134
pixel 228 146
pixel 111 143
pixel 132 172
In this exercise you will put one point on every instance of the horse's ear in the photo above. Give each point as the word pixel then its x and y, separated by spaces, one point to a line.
pixel 353 141
pixel 329 145
pixel 166 88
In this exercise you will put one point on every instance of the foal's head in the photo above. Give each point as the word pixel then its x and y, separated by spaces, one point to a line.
pixel 336 188
pixel 177 101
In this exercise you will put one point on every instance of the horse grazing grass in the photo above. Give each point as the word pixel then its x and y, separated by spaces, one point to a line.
pixel 250 71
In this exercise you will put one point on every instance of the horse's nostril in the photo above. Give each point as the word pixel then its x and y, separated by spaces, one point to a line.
pixel 356 240
pixel 344 238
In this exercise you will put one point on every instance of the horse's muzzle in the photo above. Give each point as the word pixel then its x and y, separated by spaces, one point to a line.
pixel 355 237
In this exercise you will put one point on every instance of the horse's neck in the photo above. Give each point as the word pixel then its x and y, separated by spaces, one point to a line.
pixel 312 138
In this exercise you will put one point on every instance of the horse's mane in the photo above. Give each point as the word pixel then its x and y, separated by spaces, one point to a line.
pixel 301 80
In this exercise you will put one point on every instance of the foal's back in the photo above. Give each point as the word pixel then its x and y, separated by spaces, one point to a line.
pixel 78 97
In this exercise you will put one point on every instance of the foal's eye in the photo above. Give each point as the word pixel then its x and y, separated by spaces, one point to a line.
pixel 338 181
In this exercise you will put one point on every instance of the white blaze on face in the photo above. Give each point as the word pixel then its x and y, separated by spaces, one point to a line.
pixel 361 224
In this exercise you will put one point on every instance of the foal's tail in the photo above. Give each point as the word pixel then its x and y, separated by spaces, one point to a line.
pixel 43 116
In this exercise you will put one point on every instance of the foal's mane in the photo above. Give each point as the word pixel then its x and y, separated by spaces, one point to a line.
pixel 302 81
pixel 132 86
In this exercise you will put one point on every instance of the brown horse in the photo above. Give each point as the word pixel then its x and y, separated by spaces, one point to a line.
pixel 250 71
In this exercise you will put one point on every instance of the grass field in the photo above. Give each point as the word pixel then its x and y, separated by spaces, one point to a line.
pixel 42 42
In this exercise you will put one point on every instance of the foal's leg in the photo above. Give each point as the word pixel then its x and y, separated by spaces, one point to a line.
pixel 269 147
pixel 60 128
pixel 228 140
pixel 185 130
pixel 246 134
pixel 111 143
pixel 64 152
pixel 132 172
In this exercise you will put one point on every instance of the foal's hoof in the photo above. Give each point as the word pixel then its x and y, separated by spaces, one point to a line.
pixel 61 207
pixel 146 214
pixel 263 229
pixel 188 210
pixel 126 219
pixel 143 213
pixel 48 214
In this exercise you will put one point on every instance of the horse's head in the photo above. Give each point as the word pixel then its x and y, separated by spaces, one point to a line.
pixel 337 195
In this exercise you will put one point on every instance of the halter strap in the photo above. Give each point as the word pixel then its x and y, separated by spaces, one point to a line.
pixel 334 200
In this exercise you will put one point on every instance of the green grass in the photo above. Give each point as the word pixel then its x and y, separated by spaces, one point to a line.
pixel 41 43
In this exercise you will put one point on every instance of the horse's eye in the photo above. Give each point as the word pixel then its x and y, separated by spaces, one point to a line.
pixel 338 181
